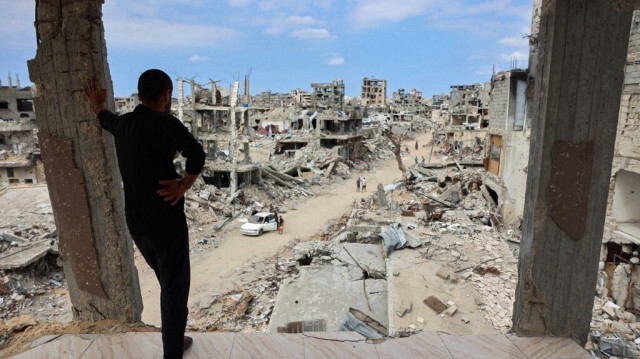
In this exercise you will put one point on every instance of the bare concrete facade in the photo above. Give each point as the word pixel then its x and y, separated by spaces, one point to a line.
pixel 507 152
pixel 374 92
pixel 621 237
pixel 469 106
pixel 328 95
pixel 19 151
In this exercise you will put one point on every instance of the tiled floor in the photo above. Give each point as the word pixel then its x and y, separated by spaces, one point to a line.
pixel 431 345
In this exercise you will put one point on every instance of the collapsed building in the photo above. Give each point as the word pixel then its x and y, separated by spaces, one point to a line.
pixel 374 93
pixel 20 161
pixel 404 106
pixel 328 95
pixel 469 106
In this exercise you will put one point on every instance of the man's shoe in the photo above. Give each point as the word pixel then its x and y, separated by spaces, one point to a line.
pixel 186 344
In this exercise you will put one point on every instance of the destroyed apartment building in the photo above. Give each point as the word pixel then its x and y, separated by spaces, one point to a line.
pixel 242 136
pixel 20 161
pixel 374 94
pixel 462 127
pixel 469 106
pixel 328 95
pixel 406 105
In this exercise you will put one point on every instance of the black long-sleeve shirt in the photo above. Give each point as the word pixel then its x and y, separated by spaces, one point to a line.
pixel 146 142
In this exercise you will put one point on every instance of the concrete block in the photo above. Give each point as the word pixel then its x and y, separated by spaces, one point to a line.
pixel 449 312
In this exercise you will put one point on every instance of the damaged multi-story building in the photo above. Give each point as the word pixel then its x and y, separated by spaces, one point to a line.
pixel 507 149
pixel 406 105
pixel 20 161
pixel 374 93
pixel 464 118
pixel 222 125
pixel 328 95
pixel 126 104
pixel 469 106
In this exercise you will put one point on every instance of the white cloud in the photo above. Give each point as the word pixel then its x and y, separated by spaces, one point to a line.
pixel 372 13
pixel 274 30
pixel 198 58
pixel 301 20
pixel 335 61
pixel 162 34
pixel 311 33
pixel 521 57
pixel 239 3
pixel 517 41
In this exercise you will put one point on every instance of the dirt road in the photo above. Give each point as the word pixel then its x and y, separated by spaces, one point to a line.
pixel 216 269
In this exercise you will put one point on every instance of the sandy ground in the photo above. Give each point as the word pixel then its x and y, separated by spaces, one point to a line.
pixel 217 269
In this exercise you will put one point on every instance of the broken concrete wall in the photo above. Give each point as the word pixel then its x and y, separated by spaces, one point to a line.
pixel 20 175
pixel 626 161
pixel 512 182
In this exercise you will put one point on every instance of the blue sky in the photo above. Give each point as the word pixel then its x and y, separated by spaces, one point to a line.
pixel 288 44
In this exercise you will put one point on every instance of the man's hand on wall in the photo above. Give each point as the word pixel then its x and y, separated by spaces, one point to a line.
pixel 97 96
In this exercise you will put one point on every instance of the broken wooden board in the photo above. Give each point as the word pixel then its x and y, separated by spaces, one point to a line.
pixel 435 304
pixel 19 257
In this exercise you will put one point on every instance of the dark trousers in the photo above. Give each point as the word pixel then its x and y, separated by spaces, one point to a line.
pixel 169 259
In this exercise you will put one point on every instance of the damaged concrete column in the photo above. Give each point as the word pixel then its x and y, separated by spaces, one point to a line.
pixel 80 162
pixel 181 99
pixel 582 51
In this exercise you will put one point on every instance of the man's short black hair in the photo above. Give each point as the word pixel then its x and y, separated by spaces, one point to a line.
pixel 152 83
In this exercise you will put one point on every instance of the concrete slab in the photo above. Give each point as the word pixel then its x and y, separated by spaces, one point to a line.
pixel 18 257
pixel 367 256
pixel 309 345
pixel 327 292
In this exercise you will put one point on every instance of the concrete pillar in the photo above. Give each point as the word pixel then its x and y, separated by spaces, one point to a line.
pixel 9 79
pixel 80 163
pixel 247 156
pixel 17 81
pixel 581 58
pixel 181 99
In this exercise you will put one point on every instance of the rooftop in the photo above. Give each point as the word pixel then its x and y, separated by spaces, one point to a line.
pixel 434 345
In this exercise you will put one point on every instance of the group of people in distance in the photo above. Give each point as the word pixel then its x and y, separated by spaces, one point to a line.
pixel 361 184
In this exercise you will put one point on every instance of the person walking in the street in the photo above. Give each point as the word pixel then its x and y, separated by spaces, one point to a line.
pixel 363 183
pixel 416 145
pixel 358 185
pixel 146 141
pixel 416 159
pixel 281 225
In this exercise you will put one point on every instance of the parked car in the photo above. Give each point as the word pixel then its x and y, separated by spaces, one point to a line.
pixel 259 223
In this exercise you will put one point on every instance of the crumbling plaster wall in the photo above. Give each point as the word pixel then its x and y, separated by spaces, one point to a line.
pixel 514 157
pixel 511 185
pixel 627 146
pixel 23 174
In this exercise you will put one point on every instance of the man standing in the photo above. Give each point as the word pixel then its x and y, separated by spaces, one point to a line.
pixel 147 140
pixel 358 185
pixel 363 183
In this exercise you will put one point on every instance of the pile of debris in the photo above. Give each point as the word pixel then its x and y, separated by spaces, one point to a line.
pixel 614 331
pixel 248 306
pixel 31 277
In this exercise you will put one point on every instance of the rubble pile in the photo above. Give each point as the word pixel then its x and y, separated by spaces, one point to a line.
pixel 614 331
pixel 247 307
pixel 37 289
pixel 447 150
